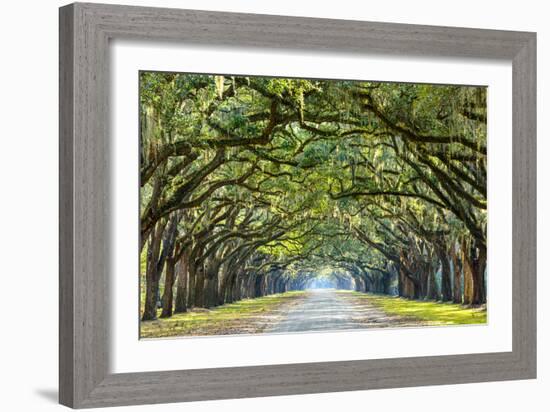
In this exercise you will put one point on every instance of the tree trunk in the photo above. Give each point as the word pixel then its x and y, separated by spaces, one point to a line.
pixel 427 281
pixel 412 287
pixel 225 281
pixel 258 283
pixel 208 292
pixel 479 265
pixel 230 285
pixel 168 296
pixel 250 286
pixel 358 284
pixel 446 291
pixel 191 274
pixel 211 285
pixel 400 281
pixel 238 288
pixel 368 284
pixel 457 276
pixel 411 291
pixel 474 273
pixel 432 285
pixel 181 284
pixel 468 274
pixel 222 287
pixel 212 272
pixel 199 286
pixel 151 276
pixel 386 282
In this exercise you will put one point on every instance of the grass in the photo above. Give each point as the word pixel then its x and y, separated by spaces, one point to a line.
pixel 245 316
pixel 435 313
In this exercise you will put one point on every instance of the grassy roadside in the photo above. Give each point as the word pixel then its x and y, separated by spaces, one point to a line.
pixel 435 313
pixel 245 316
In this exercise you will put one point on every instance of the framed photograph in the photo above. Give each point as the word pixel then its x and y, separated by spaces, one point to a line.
pixel 256 205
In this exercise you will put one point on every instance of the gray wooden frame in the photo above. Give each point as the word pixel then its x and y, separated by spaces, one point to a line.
pixel 85 31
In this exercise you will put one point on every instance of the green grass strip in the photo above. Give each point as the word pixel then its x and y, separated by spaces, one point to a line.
pixel 429 311
pixel 235 317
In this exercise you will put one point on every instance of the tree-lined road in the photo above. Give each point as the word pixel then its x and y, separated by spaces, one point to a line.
pixel 259 186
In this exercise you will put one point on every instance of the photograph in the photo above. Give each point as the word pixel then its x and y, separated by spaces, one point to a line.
pixel 280 205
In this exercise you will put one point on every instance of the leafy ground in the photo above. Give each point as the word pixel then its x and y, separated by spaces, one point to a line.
pixel 427 312
pixel 245 316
